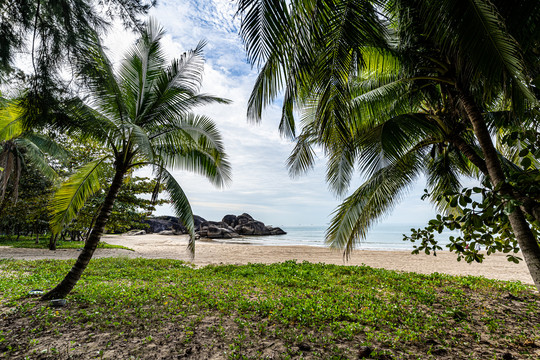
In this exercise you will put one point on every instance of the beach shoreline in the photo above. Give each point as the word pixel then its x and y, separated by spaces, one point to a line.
pixel 155 246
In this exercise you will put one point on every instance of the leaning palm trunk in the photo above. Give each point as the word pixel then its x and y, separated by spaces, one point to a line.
pixel 526 240
pixel 69 282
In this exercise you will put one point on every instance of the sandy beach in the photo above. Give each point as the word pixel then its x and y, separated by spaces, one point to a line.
pixel 208 252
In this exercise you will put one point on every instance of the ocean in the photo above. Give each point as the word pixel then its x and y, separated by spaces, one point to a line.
pixel 382 237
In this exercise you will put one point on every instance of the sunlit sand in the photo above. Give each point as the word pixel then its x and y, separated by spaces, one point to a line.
pixel 208 252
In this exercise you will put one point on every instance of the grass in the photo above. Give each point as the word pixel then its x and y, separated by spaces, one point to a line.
pixel 30 243
pixel 166 309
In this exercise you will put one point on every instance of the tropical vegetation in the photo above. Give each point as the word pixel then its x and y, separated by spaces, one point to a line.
pixel 400 88
pixel 142 116
pixel 29 242
pixel 391 88
pixel 19 146
pixel 131 208
pixel 140 307
pixel 28 176
pixel 28 214
pixel 38 39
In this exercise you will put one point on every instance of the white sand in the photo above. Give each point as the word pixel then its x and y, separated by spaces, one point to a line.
pixel 174 247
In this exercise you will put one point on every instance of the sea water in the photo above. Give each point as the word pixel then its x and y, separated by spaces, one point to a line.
pixel 381 237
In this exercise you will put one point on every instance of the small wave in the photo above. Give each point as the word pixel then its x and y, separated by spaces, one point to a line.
pixel 388 237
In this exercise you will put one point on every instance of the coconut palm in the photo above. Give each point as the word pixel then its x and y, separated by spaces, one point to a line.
pixel 393 139
pixel 142 114
pixel 476 51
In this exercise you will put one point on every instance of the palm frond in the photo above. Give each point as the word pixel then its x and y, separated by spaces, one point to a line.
pixel 190 128
pixel 302 157
pixel 265 23
pixel 36 155
pixel 210 164
pixel 10 122
pixel 193 143
pixel 72 195
pixel 89 122
pixel 370 202
pixel 48 146
pixel 186 71
pixel 373 101
pixel 142 65
pixel 287 125
pixel 341 166
pixel 139 140
pixel 181 206
pixel 491 52
pixel 384 143
pixel 100 82
pixel 267 87
pixel 176 104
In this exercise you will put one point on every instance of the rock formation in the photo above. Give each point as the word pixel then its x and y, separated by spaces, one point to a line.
pixel 165 223
pixel 216 230
pixel 231 226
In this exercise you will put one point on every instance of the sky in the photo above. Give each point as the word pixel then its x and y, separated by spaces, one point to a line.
pixel 261 185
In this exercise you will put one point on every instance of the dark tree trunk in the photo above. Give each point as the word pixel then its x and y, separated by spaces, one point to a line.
pixel 52 241
pixel 470 154
pixel 526 240
pixel 69 282
pixel 87 235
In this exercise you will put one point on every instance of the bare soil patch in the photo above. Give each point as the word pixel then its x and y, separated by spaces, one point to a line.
pixel 219 337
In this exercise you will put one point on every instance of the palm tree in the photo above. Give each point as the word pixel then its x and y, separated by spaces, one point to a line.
pixel 142 115
pixel 17 146
pixel 476 51
pixel 394 138
pixel 484 67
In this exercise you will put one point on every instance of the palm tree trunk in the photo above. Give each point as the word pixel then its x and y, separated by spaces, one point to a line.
pixel 526 240
pixel 470 154
pixel 65 287
pixel 52 241
pixel 87 235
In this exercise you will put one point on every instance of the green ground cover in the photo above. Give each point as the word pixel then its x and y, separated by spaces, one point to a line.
pixel 30 242
pixel 139 308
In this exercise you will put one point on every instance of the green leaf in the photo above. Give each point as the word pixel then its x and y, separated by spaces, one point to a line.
pixel 526 163
pixel 72 195
pixel 524 152
pixel 181 206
